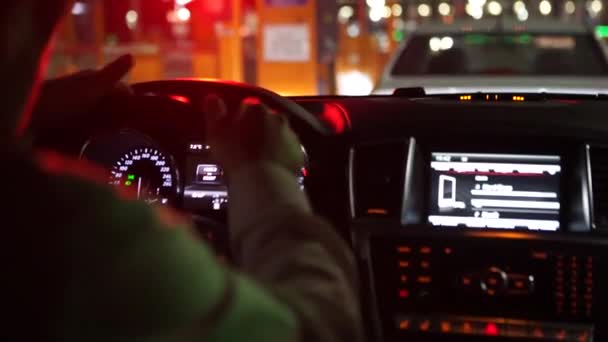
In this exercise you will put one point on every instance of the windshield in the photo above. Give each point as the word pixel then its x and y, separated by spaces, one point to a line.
pixel 501 54
pixel 345 47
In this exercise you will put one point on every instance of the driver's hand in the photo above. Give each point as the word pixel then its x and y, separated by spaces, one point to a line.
pixel 68 97
pixel 250 137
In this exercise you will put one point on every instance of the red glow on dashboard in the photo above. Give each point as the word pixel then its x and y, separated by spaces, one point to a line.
pixel 491 329
pixel 180 98
pixel 336 116
pixel 252 101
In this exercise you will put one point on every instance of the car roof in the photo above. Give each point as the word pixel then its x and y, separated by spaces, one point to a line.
pixel 502 25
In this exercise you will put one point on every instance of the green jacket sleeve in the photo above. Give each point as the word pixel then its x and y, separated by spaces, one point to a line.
pixel 137 278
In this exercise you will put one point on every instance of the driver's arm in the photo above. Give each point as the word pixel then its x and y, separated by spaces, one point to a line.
pixel 141 276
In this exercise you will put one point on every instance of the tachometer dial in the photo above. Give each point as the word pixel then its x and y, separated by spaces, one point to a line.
pixel 149 173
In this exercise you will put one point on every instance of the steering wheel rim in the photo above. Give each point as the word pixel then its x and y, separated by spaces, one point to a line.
pixel 234 92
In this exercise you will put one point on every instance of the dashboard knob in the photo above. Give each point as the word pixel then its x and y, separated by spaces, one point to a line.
pixel 494 281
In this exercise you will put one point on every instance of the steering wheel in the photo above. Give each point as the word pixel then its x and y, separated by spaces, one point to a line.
pixel 233 93
pixel 154 112
pixel 147 110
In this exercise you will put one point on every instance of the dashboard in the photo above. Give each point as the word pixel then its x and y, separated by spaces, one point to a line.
pixel 471 221
pixel 194 181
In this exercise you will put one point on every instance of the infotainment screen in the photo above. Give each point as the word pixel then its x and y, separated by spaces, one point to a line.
pixel 504 191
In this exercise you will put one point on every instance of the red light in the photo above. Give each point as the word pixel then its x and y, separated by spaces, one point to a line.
pixel 179 98
pixel 404 294
pixel 304 172
pixel 252 101
pixel 491 329
pixel 336 116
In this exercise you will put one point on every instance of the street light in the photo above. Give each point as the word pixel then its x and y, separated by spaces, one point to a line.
pixel 476 12
pixel 374 3
pixel 376 14
pixel 495 8
pixel 397 10
pixel 595 7
pixel 131 18
pixel 345 13
pixel 424 10
pixel 79 8
pixel 522 15
pixel 570 7
pixel 545 7
pixel 519 6
pixel 444 9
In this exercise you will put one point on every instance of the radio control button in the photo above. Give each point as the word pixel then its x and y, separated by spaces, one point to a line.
pixel 520 284
pixel 494 281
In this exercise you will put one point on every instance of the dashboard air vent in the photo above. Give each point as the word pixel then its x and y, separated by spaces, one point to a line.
pixel 599 180
pixel 377 176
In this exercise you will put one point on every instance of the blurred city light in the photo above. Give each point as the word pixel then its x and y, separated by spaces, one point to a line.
pixel 183 14
pixel 131 18
pixel 424 10
pixel 495 8
pixel 519 6
pixel 545 7
pixel 595 7
pixel 520 10
pixel 345 13
pixel 446 43
pixel 387 12
pixel 376 14
pixel 570 7
pixel 353 30
pixel 376 3
pixel 79 8
pixel 444 9
pixel 435 44
pixel 601 31
pixel 438 44
pixel 522 15
pixel 397 10
pixel 476 12
pixel 477 3
pixel 354 83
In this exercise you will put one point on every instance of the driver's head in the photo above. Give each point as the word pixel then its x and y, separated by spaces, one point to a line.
pixel 26 26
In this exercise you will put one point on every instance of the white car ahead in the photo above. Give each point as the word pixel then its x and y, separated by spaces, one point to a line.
pixel 548 56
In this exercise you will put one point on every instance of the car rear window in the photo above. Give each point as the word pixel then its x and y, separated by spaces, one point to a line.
pixel 501 54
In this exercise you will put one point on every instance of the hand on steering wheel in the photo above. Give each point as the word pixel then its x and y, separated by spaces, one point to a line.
pixel 251 136
pixel 67 98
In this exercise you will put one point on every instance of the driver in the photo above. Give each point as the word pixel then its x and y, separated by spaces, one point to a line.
pixel 82 263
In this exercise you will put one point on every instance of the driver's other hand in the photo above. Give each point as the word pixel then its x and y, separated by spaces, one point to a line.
pixel 251 136
pixel 67 97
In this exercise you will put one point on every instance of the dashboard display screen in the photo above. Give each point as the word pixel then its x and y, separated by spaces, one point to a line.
pixel 503 191
pixel 205 187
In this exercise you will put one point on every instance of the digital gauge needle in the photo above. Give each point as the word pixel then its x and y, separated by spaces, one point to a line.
pixel 139 188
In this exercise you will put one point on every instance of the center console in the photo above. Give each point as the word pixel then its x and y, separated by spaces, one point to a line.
pixel 485 244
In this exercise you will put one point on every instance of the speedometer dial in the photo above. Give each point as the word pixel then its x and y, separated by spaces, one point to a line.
pixel 149 173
